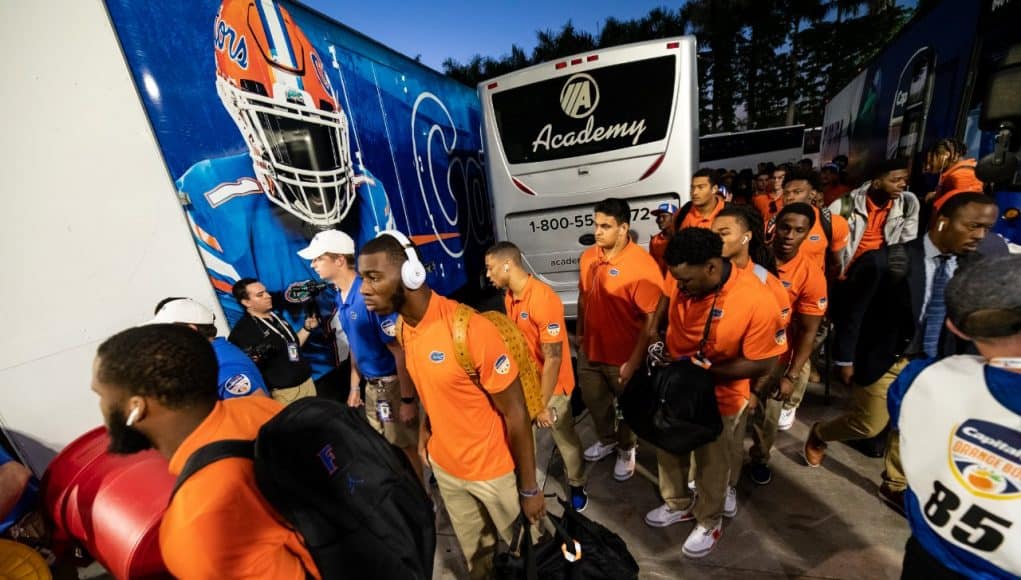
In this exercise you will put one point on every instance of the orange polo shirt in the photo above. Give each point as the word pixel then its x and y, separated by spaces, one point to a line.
pixel 618 294
pixel 872 237
pixel 815 247
pixel 539 315
pixel 959 178
pixel 741 327
pixel 805 284
pixel 774 284
pixel 767 206
pixel 657 249
pixel 219 525
pixel 469 439
pixel 695 219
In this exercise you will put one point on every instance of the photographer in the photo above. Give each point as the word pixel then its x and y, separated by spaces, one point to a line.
pixel 271 342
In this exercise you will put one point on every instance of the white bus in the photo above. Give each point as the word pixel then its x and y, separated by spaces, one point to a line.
pixel 562 136
pixel 746 149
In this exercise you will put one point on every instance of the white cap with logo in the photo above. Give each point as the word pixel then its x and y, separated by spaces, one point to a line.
pixel 183 311
pixel 331 241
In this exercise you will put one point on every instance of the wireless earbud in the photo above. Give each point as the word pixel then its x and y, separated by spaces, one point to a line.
pixel 506 268
pixel 941 225
pixel 132 417
pixel 745 239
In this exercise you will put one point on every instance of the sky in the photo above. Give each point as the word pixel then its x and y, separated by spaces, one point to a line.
pixel 442 29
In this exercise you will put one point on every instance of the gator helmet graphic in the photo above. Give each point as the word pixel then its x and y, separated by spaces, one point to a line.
pixel 274 85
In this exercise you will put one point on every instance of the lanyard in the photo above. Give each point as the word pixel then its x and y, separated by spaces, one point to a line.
pixel 1006 363
pixel 276 330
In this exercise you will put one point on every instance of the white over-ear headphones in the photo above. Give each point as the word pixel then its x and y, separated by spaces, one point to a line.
pixel 412 271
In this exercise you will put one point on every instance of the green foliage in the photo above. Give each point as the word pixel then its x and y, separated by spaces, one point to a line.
pixel 761 63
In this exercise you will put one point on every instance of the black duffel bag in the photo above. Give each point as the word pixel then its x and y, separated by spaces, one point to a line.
pixel 579 550
pixel 673 407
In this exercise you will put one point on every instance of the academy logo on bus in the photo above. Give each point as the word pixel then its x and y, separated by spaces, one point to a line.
pixel 986 459
pixel 580 96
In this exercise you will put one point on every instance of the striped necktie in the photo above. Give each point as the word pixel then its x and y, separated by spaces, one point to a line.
pixel 936 309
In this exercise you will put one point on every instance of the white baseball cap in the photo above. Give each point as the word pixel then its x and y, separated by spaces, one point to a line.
pixel 332 241
pixel 183 311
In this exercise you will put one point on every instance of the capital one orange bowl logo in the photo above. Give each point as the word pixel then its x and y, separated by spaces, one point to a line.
pixel 985 458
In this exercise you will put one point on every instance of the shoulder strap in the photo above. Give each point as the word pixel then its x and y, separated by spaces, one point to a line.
pixel 826 217
pixel 211 453
pixel 681 215
pixel 399 328
pixel 462 314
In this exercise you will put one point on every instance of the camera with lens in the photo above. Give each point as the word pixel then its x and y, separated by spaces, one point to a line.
pixel 260 353
pixel 304 291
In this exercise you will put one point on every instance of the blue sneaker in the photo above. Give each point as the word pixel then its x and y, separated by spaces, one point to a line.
pixel 579 499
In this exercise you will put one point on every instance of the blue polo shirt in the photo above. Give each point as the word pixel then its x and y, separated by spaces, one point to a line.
pixel 367 333
pixel 237 376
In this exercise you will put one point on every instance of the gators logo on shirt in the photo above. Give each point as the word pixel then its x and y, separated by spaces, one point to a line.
pixel 437 356
pixel 785 283
pixel 388 327
pixel 238 385
pixel 717 313
pixel 985 458
pixel 614 272
pixel 502 364
pixel 553 329
pixel 780 337
pixel 524 316
pixel 814 238
pixel 822 302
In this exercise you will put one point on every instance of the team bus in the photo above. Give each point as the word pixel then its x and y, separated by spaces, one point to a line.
pixel 561 136
pixel 746 149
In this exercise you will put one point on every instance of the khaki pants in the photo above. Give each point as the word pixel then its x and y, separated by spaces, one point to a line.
pixel 292 394
pixel 566 439
pixel 479 511
pixel 597 382
pixel 767 415
pixel 865 418
pixel 717 467
pixel 388 391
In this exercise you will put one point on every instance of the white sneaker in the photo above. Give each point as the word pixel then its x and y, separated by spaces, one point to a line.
pixel 786 420
pixel 730 503
pixel 597 451
pixel 701 541
pixel 663 516
pixel 625 466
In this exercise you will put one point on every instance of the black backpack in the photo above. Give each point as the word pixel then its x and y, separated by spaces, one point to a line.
pixel 353 497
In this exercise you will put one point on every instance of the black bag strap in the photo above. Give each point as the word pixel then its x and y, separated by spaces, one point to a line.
pixel 727 269
pixel 521 543
pixel 826 217
pixel 211 453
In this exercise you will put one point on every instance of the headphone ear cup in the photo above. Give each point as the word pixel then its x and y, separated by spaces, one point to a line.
pixel 413 274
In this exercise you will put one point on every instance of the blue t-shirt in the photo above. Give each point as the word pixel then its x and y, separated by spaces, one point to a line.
pixel 368 333
pixel 27 501
pixel 238 376
pixel 1005 387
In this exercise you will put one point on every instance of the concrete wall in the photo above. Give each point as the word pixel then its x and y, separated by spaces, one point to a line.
pixel 92 234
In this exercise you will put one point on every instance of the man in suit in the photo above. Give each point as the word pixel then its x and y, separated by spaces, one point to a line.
pixel 897 318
